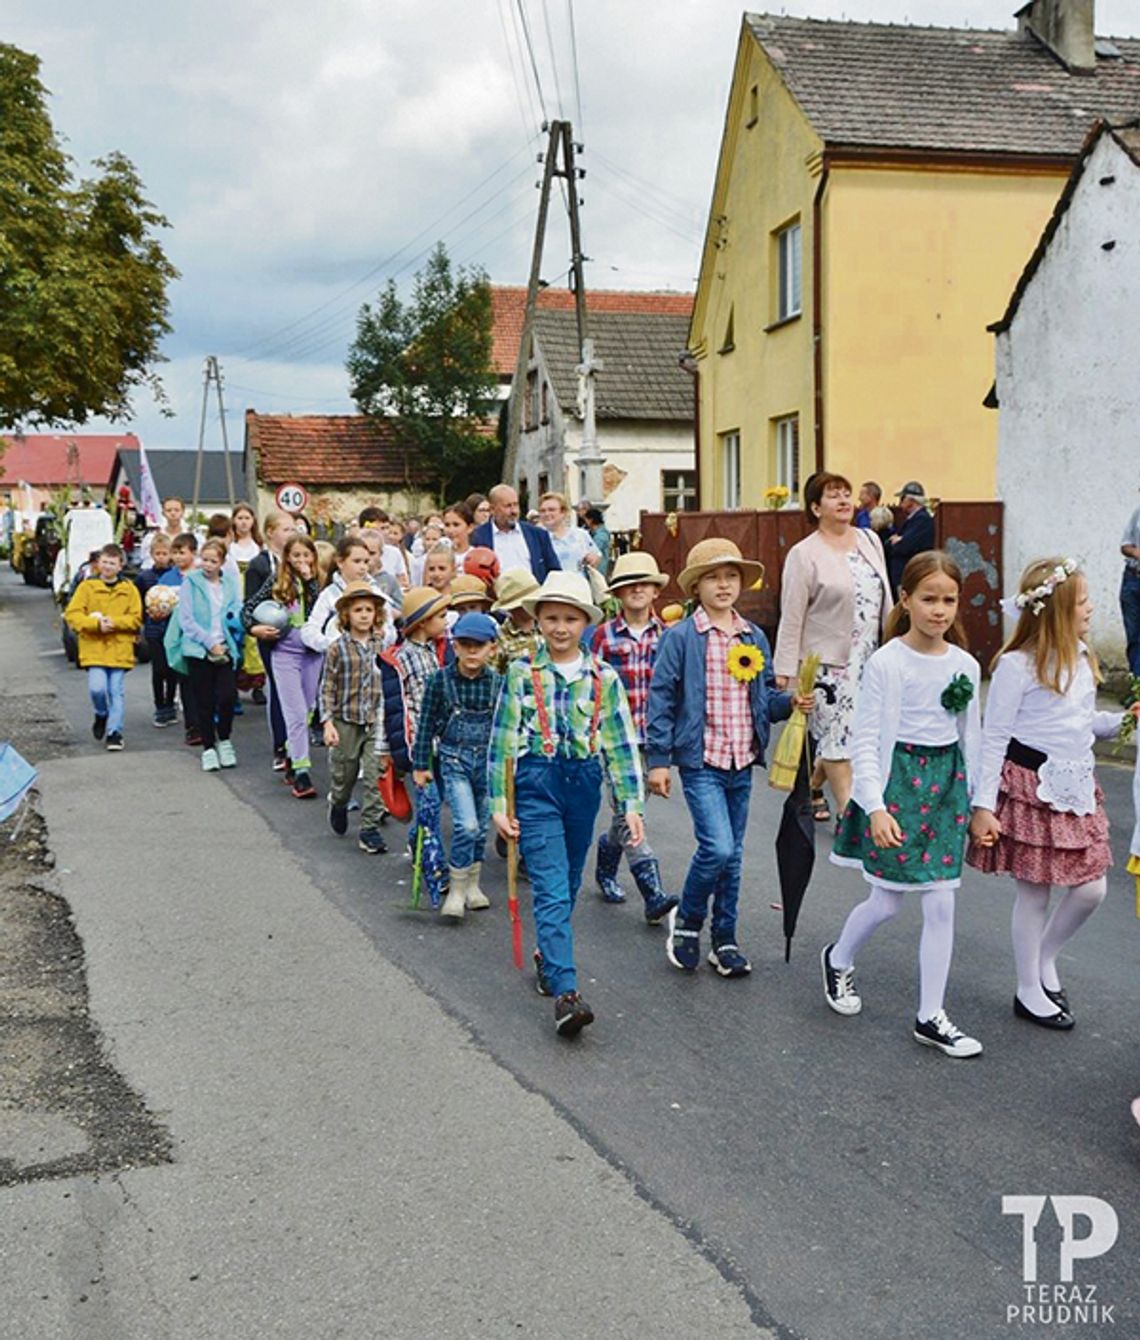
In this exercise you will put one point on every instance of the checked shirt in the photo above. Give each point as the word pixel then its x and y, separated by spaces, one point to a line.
pixel 632 657
pixel 729 729
pixel 473 695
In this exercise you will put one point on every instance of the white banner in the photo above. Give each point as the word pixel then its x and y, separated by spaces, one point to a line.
pixel 148 499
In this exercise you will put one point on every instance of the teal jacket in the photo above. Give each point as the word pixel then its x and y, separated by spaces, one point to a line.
pixel 189 625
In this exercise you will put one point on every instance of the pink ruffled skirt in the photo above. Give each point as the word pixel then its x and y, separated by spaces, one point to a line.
pixel 1038 844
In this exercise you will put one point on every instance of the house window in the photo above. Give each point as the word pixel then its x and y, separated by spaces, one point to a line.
pixel 788 454
pixel 753 106
pixel 531 418
pixel 678 490
pixel 543 484
pixel 729 333
pixel 730 470
pixel 545 402
pixel 789 261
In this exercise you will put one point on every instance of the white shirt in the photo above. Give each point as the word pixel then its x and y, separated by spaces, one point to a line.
pixel 1020 707
pixel 902 687
pixel 392 561
pixel 510 549
pixel 569 670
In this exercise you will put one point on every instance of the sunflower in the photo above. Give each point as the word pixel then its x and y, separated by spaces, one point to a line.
pixel 745 662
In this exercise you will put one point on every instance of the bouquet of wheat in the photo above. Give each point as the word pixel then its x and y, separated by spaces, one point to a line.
pixel 790 746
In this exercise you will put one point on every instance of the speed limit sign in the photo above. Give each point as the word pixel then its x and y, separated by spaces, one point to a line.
pixel 291 498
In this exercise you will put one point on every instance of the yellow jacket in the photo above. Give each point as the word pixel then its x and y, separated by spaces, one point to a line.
pixel 119 601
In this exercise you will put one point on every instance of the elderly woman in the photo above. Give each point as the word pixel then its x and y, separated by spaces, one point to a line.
pixel 572 544
pixel 834 600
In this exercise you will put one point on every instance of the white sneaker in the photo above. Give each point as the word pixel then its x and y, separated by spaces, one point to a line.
pixel 938 1031
pixel 839 985
pixel 210 760
pixel 226 756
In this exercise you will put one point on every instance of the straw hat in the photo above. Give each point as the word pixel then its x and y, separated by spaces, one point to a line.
pixel 420 603
pixel 512 588
pixel 634 568
pixel 706 555
pixel 467 589
pixel 567 588
pixel 358 591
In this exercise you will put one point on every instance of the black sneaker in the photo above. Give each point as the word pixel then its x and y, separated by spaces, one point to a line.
pixel 839 985
pixel 541 985
pixel 99 727
pixel 571 1014
pixel 114 742
pixel 938 1031
pixel 338 819
pixel 258 697
pixel 729 961
pixel 372 842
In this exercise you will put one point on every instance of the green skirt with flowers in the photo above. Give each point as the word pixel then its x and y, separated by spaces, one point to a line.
pixel 926 795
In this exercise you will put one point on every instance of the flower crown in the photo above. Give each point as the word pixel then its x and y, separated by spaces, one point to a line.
pixel 1035 599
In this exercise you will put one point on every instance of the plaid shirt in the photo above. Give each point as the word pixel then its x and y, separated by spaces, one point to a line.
pixel 729 730
pixel 350 684
pixel 416 662
pixel 632 657
pixel 570 707
pixel 473 695
pixel 515 644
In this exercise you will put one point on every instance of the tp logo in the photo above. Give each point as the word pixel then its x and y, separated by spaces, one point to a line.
pixel 1103 1229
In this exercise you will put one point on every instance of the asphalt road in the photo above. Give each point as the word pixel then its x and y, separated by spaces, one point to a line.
pixel 849 1181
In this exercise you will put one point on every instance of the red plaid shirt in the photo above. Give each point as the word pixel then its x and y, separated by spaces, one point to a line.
pixel 632 657
pixel 729 732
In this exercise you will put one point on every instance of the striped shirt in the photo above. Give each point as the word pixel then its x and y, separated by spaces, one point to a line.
pixel 350 682
pixel 570 710
pixel 632 657
pixel 729 730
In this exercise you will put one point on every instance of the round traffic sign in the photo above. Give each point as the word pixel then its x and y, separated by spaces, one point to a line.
pixel 291 498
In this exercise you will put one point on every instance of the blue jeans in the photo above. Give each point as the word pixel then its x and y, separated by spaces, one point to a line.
pixel 556 802
pixel 1130 608
pixel 718 800
pixel 106 688
pixel 463 772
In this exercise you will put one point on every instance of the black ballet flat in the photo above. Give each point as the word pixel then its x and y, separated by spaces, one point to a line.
pixel 1061 1021
pixel 1058 998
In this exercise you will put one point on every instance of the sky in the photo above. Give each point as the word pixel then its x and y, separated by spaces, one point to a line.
pixel 304 153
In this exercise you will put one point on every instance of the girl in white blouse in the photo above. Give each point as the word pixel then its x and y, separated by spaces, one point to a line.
pixel 915 748
pixel 1038 809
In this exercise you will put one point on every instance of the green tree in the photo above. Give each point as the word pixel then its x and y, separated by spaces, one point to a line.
pixel 425 367
pixel 83 278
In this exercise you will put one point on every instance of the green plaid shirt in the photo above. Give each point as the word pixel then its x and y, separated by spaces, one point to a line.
pixel 570 709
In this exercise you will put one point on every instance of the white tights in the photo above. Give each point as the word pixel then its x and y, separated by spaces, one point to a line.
pixel 1038 937
pixel 935 948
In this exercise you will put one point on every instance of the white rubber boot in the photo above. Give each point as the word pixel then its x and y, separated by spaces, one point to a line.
pixel 477 900
pixel 455 902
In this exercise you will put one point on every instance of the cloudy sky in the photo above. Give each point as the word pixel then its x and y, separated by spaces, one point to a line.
pixel 304 152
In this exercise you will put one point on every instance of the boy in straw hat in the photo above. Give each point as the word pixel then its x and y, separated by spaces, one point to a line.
pixel 711 703
pixel 350 700
pixel 628 642
pixel 519 637
pixel 562 717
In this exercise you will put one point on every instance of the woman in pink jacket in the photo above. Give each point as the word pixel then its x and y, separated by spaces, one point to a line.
pixel 834 600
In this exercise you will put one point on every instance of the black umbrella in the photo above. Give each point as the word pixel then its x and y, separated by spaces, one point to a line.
pixel 795 847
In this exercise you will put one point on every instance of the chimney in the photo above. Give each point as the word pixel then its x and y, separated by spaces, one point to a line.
pixel 1066 28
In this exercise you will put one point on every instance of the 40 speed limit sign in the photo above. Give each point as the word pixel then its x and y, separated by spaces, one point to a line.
pixel 291 498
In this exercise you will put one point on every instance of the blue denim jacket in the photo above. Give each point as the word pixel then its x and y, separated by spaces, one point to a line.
pixel 676 730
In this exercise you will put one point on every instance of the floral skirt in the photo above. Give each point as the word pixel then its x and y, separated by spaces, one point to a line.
pixel 927 797
pixel 1038 844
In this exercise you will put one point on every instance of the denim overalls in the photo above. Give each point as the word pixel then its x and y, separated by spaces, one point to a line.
pixel 462 753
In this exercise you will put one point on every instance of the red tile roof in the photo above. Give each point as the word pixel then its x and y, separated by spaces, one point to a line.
pixel 508 305
pixel 40 459
pixel 313 449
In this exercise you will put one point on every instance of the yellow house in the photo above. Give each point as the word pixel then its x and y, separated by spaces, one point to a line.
pixel 877 192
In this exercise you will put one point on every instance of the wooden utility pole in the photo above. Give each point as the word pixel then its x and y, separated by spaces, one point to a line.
pixel 212 374
pixel 519 386
pixel 576 257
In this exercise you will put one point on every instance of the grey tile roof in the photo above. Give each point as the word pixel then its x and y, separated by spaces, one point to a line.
pixel 173 473
pixel 959 89
pixel 641 378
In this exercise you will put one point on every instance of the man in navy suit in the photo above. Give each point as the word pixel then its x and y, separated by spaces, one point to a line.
pixel 914 536
pixel 517 544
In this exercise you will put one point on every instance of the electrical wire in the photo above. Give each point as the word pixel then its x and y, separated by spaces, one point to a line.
pixel 518 71
pixel 574 55
pixel 533 62
pixel 666 202
pixel 642 207
pixel 553 58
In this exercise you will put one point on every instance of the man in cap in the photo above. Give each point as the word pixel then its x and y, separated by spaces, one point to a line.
pixel 914 535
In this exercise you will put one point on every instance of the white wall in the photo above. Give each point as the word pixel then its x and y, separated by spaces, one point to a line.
pixel 1068 383
pixel 642 450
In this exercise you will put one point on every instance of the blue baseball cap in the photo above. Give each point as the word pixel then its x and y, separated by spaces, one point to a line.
pixel 475 627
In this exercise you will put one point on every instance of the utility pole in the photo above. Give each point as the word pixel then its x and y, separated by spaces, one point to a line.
pixel 519 385
pixel 590 463
pixel 212 374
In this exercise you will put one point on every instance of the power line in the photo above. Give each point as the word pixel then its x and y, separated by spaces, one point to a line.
pixel 553 58
pixel 533 62
pixel 683 209
pixel 642 207
pixel 574 54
